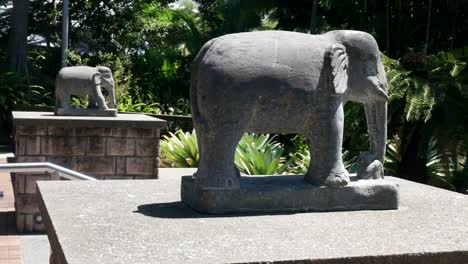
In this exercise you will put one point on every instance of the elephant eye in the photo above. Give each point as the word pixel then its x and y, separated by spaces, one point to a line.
pixel 370 68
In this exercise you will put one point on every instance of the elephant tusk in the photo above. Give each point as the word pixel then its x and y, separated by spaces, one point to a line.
pixel 381 95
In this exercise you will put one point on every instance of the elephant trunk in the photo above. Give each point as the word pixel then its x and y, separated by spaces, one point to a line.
pixel 376 115
pixel 111 93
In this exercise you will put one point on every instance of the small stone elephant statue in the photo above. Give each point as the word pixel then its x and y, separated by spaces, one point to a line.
pixel 85 80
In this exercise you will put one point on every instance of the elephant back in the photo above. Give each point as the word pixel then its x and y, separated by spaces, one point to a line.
pixel 77 73
pixel 293 59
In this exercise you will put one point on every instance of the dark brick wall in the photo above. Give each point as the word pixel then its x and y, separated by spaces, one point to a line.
pixel 103 153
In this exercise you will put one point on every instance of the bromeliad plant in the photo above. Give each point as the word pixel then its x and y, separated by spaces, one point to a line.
pixel 301 161
pixel 258 154
pixel 180 150
pixel 255 155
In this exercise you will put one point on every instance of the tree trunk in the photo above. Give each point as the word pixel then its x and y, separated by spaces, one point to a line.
pixel 65 27
pixel 428 26
pixel 18 39
pixel 363 17
pixel 313 18
pixel 400 13
pixel 454 25
pixel 387 8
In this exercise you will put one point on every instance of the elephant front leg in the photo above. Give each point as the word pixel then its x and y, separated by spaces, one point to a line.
pixel 92 104
pixel 99 98
pixel 326 138
pixel 216 169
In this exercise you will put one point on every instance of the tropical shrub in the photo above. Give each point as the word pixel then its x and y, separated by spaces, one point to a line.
pixel 256 154
pixel 301 161
pixel 180 150
pixel 392 158
pixel 15 90
pixel 127 105
pixel 427 104
pixel 179 107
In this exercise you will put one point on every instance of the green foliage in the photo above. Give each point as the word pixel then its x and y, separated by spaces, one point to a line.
pixel 127 105
pixel 258 154
pixel 255 155
pixel 355 138
pixel 180 150
pixel 460 175
pixel 349 161
pixel 421 93
pixel 180 107
pixel 392 158
pixel 428 98
pixel 440 171
pixel 15 90
pixel 221 17
pixel 301 161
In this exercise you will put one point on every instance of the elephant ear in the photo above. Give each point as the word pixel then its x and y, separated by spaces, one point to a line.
pixel 97 78
pixel 339 65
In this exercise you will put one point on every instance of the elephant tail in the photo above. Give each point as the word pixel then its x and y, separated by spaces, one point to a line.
pixel 198 119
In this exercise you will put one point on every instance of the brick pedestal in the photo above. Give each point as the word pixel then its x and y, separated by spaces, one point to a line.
pixel 122 147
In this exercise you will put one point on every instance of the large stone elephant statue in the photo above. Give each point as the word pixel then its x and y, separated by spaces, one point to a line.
pixel 84 80
pixel 287 82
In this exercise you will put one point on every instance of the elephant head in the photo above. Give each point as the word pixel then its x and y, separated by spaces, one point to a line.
pixel 358 74
pixel 107 82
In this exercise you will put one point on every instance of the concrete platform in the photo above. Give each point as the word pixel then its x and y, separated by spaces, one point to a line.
pixel 35 249
pixel 145 222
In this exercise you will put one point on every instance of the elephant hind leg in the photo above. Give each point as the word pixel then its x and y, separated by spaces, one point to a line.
pixel 62 98
pixel 66 100
pixel 216 169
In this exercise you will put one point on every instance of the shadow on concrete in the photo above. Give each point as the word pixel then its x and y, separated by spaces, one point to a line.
pixel 180 210
pixel 7 223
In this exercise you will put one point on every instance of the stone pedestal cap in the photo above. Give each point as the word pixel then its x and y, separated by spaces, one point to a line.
pixel 122 120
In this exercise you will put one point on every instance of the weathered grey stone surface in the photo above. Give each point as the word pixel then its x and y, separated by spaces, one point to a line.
pixel 290 194
pixel 123 147
pixel 43 119
pixel 145 222
pixel 85 112
pixel 286 82
pixel 81 81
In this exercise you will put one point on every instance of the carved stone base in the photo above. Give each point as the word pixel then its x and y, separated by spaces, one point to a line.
pixel 276 194
pixel 84 112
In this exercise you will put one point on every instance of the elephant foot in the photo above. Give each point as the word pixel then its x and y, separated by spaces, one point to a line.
pixel 369 167
pixel 333 179
pixel 337 179
pixel 210 180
